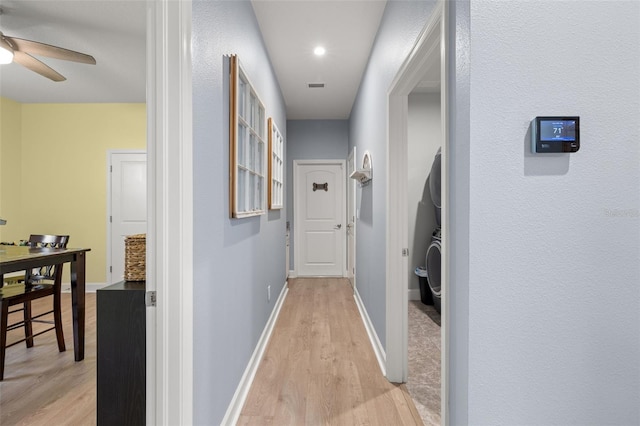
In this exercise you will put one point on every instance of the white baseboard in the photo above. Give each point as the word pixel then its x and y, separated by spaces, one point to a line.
pixel 292 274
pixel 89 287
pixel 239 397
pixel 373 336
pixel 414 294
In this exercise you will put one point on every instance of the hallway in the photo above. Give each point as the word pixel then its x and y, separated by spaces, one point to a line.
pixel 319 367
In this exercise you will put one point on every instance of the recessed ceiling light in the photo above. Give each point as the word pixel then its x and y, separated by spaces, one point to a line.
pixel 319 51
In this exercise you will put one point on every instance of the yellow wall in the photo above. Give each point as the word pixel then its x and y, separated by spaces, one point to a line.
pixel 64 170
pixel 10 165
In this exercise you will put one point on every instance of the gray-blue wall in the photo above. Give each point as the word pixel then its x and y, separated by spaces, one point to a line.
pixel 562 335
pixel 554 240
pixel 400 26
pixel 312 140
pixel 234 259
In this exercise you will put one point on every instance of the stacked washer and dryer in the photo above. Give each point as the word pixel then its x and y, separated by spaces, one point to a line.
pixel 433 256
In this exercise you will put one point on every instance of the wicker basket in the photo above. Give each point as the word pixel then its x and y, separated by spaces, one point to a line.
pixel 135 250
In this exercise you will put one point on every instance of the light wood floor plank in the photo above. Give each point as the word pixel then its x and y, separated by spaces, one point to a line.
pixel 319 367
pixel 45 387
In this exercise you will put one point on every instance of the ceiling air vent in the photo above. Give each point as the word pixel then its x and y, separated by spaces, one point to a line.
pixel 316 85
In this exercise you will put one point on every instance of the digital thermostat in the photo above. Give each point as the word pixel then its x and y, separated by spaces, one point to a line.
pixel 555 134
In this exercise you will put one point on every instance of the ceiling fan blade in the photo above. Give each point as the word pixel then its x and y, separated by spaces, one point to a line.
pixel 35 65
pixel 43 49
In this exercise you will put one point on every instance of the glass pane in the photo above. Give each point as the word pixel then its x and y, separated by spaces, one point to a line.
pixel 279 193
pixel 241 204
pixel 252 152
pixel 241 147
pixel 261 126
pixel 274 192
pixel 274 166
pixel 259 193
pixel 251 199
pixel 252 111
pixel 279 170
pixel 242 93
pixel 260 158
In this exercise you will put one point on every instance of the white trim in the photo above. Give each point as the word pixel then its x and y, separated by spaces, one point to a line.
pixel 110 153
pixel 169 213
pixel 292 274
pixel 153 378
pixel 414 294
pixel 377 347
pixel 431 42
pixel 296 221
pixel 240 396
pixel 397 239
pixel 354 203
pixel 445 247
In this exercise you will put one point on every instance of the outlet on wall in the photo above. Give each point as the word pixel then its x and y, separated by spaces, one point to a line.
pixel 268 293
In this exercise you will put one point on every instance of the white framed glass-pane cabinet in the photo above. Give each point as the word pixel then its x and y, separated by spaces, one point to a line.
pixel 276 166
pixel 247 145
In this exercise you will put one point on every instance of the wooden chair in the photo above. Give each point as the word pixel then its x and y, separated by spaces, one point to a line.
pixel 38 283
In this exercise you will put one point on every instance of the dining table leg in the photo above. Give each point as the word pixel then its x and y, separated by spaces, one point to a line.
pixel 78 304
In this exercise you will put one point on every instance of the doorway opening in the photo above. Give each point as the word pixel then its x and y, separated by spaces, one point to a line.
pixel 425 68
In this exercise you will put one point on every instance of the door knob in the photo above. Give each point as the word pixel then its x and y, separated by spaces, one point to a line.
pixel 339 226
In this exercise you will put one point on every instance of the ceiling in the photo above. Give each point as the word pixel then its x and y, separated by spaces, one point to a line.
pixel 292 29
pixel 114 32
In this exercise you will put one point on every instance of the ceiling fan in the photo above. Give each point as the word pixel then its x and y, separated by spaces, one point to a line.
pixel 13 49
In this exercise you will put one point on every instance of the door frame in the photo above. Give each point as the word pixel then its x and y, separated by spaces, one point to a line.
pixel 296 212
pixel 352 191
pixel 431 44
pixel 110 154
pixel 169 337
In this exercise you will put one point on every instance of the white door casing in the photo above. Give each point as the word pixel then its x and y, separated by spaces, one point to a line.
pixel 351 219
pixel 319 226
pixel 431 47
pixel 169 340
pixel 127 206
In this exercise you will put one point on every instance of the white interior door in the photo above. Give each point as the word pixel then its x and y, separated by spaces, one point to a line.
pixel 319 212
pixel 128 206
pixel 351 219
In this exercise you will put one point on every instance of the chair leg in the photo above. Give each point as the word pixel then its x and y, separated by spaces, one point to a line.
pixel 57 318
pixel 28 328
pixel 4 314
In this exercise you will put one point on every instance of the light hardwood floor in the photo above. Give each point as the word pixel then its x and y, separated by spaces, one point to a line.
pixel 45 387
pixel 319 367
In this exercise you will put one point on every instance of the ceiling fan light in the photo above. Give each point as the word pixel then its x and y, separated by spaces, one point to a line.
pixel 6 52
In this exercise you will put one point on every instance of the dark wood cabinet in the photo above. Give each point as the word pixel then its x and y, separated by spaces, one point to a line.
pixel 121 363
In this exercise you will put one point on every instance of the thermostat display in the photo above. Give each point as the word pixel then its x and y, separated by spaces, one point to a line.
pixel 555 134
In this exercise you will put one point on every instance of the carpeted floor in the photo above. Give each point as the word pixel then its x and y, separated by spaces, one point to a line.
pixel 424 361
